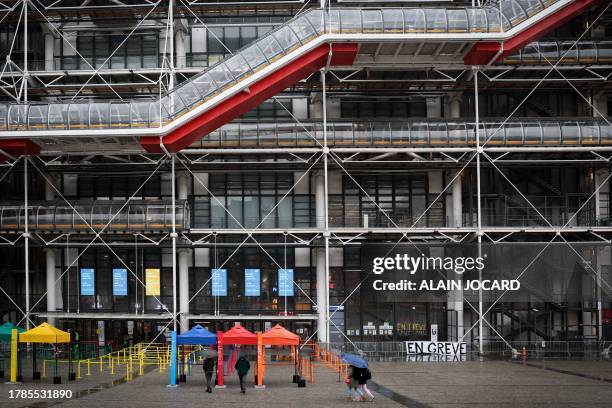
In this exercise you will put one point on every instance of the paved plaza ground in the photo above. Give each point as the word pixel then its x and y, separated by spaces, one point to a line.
pixel 487 383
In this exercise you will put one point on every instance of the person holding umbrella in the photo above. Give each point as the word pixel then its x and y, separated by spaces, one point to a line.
pixel 359 375
pixel 242 367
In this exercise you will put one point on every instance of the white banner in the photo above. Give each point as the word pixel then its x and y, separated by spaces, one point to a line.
pixel 444 348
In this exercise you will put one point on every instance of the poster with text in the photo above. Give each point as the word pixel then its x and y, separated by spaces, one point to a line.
pixel 252 285
pixel 285 282
pixel 88 282
pixel 120 282
pixel 219 282
pixel 152 282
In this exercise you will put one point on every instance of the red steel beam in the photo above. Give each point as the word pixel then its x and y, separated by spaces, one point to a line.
pixel 240 103
pixel 485 53
pixel 18 147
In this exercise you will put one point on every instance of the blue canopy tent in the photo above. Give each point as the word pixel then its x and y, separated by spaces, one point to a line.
pixel 197 335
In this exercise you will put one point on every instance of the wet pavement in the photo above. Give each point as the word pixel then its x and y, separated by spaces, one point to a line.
pixel 395 384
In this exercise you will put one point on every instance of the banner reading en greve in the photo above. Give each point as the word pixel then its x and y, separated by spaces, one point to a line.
pixel 88 282
pixel 444 348
pixel 120 282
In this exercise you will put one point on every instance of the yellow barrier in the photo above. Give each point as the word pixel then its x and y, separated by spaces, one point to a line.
pixel 14 345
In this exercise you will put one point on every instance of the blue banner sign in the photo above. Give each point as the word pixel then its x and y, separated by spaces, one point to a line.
pixel 120 282
pixel 88 282
pixel 219 282
pixel 252 282
pixel 285 282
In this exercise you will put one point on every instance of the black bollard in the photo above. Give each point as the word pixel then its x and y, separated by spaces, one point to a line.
pixel 57 379
pixel 296 378
pixel 36 375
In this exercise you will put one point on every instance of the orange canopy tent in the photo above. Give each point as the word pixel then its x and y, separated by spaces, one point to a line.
pixel 279 336
pixel 239 335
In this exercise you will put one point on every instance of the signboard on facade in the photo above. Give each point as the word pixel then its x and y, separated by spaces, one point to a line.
pixel 285 282
pixel 88 282
pixel 444 348
pixel 120 282
pixel 252 282
pixel 152 282
pixel 219 282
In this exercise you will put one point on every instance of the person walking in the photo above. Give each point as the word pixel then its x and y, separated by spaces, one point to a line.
pixel 209 368
pixel 242 367
pixel 351 384
pixel 363 376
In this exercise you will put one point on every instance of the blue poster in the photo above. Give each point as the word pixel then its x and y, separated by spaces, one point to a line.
pixel 219 282
pixel 120 282
pixel 285 282
pixel 88 282
pixel 251 282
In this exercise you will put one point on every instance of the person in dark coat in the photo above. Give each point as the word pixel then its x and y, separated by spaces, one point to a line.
pixel 242 367
pixel 209 368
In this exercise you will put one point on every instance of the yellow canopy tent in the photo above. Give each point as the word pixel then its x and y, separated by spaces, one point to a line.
pixel 44 333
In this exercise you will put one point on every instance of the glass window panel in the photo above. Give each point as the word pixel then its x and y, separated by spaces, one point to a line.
pixel 221 75
pixel 78 115
pixel 232 38
pixel 436 20
pixel 457 21
pixel 287 38
pixel 251 211
pixel 58 115
pixel 120 115
pixel 513 12
pixel 238 66
pixel 37 117
pixel 533 132
pixel 393 20
pixel 205 85
pixel 477 19
pixel 3 116
pixel 568 50
pixel 587 52
pixel 456 133
pixel 372 21
pixel 316 18
pixel 532 6
pixel 98 115
pixel 589 133
pixel 414 20
pixel 551 133
pixel 437 133
pixel 254 56
pixel 493 19
pixel 189 94
pixel 139 114
pixel 270 47
pixel 514 133
pixel 350 21
pixel 570 132
pixel 17 117
pixel 304 30
pixel 419 133
pixel 493 133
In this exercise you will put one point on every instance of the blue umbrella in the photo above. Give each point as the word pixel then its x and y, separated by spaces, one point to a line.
pixel 355 360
